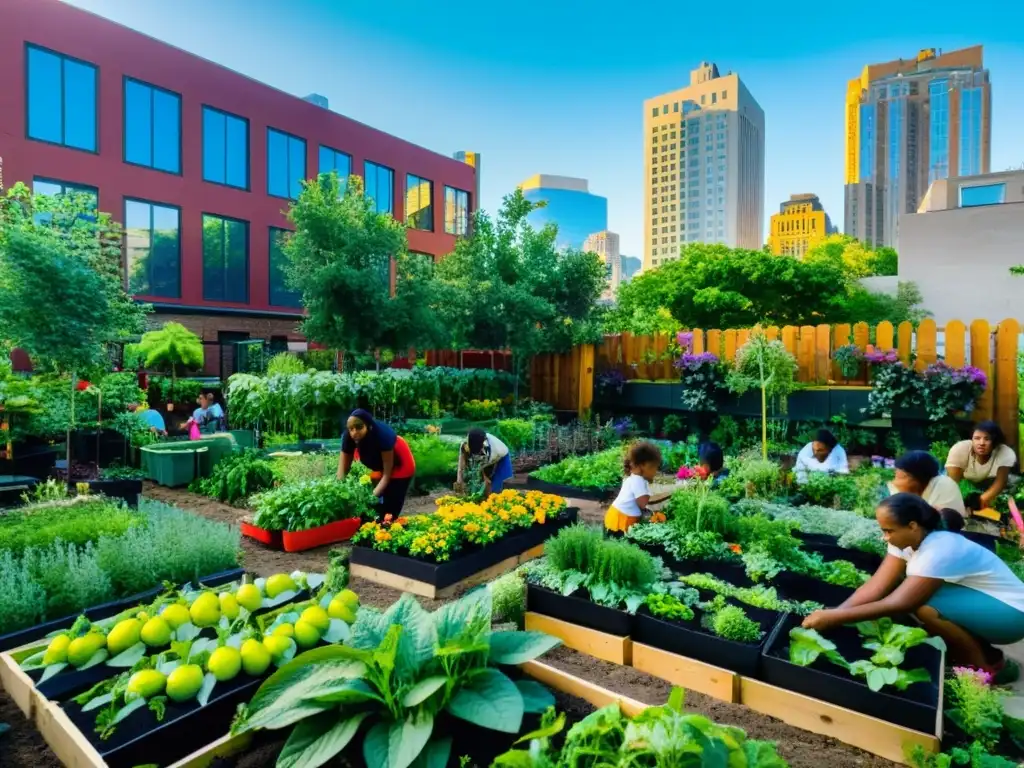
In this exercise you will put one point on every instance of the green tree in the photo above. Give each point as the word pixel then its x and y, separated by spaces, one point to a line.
pixel 172 347
pixel 767 366
pixel 339 258
pixel 507 286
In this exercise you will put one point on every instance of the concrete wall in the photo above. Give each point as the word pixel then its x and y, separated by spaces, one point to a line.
pixel 960 259
pixel 887 284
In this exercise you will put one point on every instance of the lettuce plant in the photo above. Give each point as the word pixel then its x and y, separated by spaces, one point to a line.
pixel 401 671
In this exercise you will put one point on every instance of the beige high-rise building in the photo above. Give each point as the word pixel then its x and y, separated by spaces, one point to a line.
pixel 606 245
pixel 703 166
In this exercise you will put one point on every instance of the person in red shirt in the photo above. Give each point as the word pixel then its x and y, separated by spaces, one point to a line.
pixel 384 453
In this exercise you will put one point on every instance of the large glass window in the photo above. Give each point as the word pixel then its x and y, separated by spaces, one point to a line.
pixel 62 99
pixel 456 211
pixel 286 164
pixel 970 132
pixel 938 139
pixel 982 194
pixel 53 187
pixel 867 142
pixel 225 259
pixel 419 203
pixel 380 186
pixel 280 294
pixel 152 126
pixel 225 148
pixel 152 248
pixel 340 162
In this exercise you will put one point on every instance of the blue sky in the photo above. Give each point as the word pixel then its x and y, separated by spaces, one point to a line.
pixel 559 88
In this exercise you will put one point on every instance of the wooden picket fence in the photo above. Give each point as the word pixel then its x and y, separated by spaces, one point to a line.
pixel 567 380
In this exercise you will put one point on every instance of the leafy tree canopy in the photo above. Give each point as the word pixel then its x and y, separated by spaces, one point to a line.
pixel 856 259
pixel 172 347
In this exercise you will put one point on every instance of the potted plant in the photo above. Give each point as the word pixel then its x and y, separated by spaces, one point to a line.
pixel 702 376
pixel 848 358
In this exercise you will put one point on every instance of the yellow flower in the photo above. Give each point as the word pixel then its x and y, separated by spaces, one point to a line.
pixel 364 480
pixel 382 536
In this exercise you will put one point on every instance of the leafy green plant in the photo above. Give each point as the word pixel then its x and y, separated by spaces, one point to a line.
pixel 697 508
pixel 237 477
pixel 436 460
pixel 758 596
pixel 976 707
pixel 517 434
pixel 508 598
pixel 50 490
pixel 658 737
pixel 852 530
pixel 767 366
pixel 286 363
pixel 306 466
pixel 171 348
pixel 598 470
pixel 668 607
pixel 401 672
pixel 730 622
pixel 120 472
pixel 74 521
pixel 837 491
pixel 694 545
pixel 313 503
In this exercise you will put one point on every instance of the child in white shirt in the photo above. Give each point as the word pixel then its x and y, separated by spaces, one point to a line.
pixel 643 461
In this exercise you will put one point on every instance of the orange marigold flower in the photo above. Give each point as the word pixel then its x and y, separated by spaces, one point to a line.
pixel 658 517
pixel 736 548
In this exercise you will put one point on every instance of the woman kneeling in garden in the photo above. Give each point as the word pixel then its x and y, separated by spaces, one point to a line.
pixel 495 458
pixel 384 453
pixel 956 588
pixel 984 461
pixel 822 454
pixel 917 472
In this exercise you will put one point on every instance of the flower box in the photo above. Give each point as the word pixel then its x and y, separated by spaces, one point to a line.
pixel 271 539
pixel 430 579
pixel 322 535
pixel 97 612
pixel 795 586
pixel 571 491
pixel 918 708
pixel 579 610
pixel 692 640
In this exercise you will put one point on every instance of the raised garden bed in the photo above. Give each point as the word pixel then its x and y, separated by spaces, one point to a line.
pixel 127 490
pixel 794 586
pixel 691 639
pixel 468 568
pixel 270 539
pixel 919 708
pixel 322 535
pixel 578 609
pixel 571 491
pixel 106 610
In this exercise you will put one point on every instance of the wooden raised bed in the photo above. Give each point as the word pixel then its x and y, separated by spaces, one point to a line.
pixel 440 580
pixel 600 645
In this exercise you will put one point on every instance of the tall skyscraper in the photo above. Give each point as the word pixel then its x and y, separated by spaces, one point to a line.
pixel 606 245
pixel 703 166
pixel 910 122
pixel 800 223
pixel 569 204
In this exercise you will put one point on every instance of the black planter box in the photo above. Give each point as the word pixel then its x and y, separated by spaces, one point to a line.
pixel 733 573
pixel 794 586
pixel 571 491
pixel 109 448
pixel 128 490
pixel 30 460
pixel 849 402
pixel 106 610
pixel 441 575
pixel 866 561
pixel 646 394
pixel 916 708
pixel 578 609
pixel 816 538
pixel 690 639
pixel 809 405
pixel 747 404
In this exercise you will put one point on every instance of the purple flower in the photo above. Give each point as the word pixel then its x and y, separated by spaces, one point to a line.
pixel 693 363
pixel 685 339
pixel 882 357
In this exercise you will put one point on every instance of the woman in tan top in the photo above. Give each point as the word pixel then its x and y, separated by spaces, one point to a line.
pixel 985 461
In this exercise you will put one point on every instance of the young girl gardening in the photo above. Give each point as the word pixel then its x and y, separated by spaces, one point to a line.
pixel 643 460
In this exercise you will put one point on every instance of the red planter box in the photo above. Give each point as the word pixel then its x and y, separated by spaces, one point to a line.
pixel 332 533
pixel 272 539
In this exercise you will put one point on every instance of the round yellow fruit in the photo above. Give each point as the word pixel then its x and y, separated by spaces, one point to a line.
pixel 350 598
pixel 123 636
pixel 175 615
pixel 338 609
pixel 255 657
pixel 81 649
pixel 249 597
pixel 318 617
pixel 277 646
pixel 57 650
pixel 278 583
pixel 228 605
pixel 284 630
pixel 147 683
pixel 184 682
pixel 156 632
pixel 306 635
pixel 225 663
pixel 205 610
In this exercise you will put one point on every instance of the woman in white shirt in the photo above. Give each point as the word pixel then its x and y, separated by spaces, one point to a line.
pixel 985 461
pixel 494 457
pixel 822 454
pixel 957 589
pixel 917 472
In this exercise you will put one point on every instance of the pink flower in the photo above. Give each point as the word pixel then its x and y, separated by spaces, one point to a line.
pixel 982 677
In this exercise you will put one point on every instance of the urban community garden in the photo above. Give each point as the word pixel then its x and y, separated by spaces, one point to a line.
pixel 197 572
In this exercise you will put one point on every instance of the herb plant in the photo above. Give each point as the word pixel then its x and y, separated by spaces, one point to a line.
pixel 668 607
pixel 852 530
pixel 758 596
pixel 313 503
pixel 730 622
pixel 595 471
pixel 977 707
pixel 236 477
pixel 74 521
pixel 401 671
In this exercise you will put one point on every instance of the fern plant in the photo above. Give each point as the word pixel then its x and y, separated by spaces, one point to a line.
pixel 172 347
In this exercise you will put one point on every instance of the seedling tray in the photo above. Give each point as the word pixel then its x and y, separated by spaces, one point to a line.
pixel 690 639
pixel 919 708
pixel 322 535
pixel 794 586
pixel 95 613
pixel 430 579
pixel 571 491
pixel 579 610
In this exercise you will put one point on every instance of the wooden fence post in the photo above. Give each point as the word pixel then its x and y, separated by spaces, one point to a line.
pixel 927 335
pixel 1007 402
pixel 585 393
pixel 956 350
pixel 884 336
pixel 981 357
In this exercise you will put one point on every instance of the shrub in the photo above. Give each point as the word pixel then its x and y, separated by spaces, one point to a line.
pixel 436 459
pixel 517 434
pixel 285 363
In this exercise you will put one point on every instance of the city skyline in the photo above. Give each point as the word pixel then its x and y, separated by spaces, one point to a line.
pixel 529 114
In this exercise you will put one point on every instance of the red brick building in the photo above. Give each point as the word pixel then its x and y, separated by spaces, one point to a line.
pixel 198 162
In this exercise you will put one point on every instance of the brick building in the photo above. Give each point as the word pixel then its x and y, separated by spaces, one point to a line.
pixel 198 162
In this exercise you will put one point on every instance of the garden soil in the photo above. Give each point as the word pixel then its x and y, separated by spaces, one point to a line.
pixel 21 747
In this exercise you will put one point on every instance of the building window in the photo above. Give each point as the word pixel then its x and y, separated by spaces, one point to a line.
pixel 339 162
pixel 419 203
pixel 280 294
pixel 61 100
pixel 286 164
pixel 225 148
pixel 152 127
pixel 380 186
pixel 53 188
pixel 456 211
pixel 225 259
pixel 982 194
pixel 152 246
